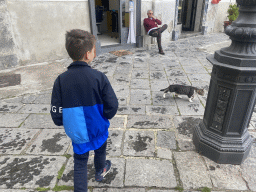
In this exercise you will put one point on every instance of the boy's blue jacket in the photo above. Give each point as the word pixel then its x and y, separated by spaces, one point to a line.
pixel 83 101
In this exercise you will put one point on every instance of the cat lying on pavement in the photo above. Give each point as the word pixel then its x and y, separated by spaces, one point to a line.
pixel 183 90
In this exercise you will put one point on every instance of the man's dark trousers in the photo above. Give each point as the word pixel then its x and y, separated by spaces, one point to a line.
pixel 157 33
pixel 80 167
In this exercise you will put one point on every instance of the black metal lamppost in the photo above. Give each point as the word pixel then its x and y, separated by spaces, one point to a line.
pixel 223 136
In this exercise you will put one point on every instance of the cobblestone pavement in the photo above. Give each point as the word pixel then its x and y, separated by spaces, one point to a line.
pixel 150 141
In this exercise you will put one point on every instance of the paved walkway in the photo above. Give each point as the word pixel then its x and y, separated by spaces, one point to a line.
pixel 150 141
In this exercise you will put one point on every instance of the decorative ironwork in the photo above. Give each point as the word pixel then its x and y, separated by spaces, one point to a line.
pixel 246 2
pixel 221 108
pixel 241 32
pixel 223 136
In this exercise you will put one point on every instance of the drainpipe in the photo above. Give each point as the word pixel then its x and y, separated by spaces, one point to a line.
pixel 139 37
pixel 175 32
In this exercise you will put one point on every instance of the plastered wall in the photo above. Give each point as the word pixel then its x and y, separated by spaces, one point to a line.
pixel 8 57
pixel 39 27
pixel 163 10
pixel 217 14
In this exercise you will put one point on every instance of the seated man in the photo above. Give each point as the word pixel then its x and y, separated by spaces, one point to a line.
pixel 152 29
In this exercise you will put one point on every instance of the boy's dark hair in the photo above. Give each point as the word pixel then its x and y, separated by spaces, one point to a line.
pixel 78 42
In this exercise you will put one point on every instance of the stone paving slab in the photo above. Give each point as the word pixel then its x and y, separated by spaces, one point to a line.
pixel 29 171
pixel 14 141
pixel 252 153
pixel 114 178
pixel 183 80
pixel 158 75
pixel 121 90
pixel 253 119
pixel 140 84
pixel 29 99
pixel 194 70
pixel 50 142
pixel 133 109
pixel 12 120
pixel 225 176
pixel 149 173
pixel 164 153
pixel 189 108
pixel 199 77
pixel 155 66
pixel 140 65
pixel 140 97
pixel 154 190
pixel 122 101
pixel 119 190
pixel 176 73
pixel 10 107
pixel 139 60
pixel 140 74
pixel 114 143
pixel 189 61
pixel 121 79
pixel 158 85
pixel 35 121
pixel 148 121
pixel 126 71
pixel 117 122
pixel 158 99
pixel 139 143
pixel 162 110
pixel 192 170
pixel 166 139
pixel 12 100
pixel 43 99
pixel 248 172
pixel 19 190
pixel 35 108
pixel 185 127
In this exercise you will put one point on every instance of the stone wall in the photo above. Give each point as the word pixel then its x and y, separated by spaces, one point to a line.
pixel 39 27
pixel 8 57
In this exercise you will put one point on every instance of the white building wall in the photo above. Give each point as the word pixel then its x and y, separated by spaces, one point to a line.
pixel 217 14
pixel 39 27
pixel 164 10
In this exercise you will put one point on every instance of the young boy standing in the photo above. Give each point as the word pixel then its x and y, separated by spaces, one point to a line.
pixel 83 101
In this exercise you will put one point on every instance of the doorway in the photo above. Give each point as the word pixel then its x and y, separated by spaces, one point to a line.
pixel 107 14
pixel 190 14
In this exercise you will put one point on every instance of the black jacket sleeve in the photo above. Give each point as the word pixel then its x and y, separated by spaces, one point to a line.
pixel 110 102
pixel 56 103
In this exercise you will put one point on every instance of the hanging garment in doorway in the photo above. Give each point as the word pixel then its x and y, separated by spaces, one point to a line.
pixel 131 36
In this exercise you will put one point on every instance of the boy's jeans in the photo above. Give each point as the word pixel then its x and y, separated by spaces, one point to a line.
pixel 80 167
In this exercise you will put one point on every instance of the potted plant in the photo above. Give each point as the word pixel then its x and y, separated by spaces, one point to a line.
pixel 232 15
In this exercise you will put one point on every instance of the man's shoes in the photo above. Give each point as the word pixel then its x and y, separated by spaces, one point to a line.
pixel 161 52
pixel 99 176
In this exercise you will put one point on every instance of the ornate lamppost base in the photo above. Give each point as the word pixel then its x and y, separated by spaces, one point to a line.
pixel 223 134
pixel 220 152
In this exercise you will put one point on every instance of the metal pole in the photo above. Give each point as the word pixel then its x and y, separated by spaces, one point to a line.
pixel 223 136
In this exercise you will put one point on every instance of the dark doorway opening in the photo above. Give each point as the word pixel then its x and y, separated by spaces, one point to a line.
pixel 190 16
pixel 107 21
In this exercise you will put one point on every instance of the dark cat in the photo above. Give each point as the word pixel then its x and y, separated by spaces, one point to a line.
pixel 183 90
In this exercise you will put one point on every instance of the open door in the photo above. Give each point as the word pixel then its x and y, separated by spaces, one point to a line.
pixel 123 31
pixel 188 14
